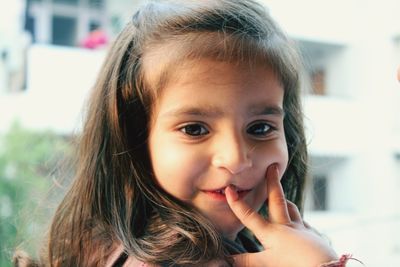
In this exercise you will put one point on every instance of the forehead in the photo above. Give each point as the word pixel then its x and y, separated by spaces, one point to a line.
pixel 208 73
pixel 210 81
pixel 214 89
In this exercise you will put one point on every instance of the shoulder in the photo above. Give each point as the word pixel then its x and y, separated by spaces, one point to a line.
pixel 119 258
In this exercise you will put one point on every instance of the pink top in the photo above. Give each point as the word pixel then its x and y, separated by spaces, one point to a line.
pixel 133 262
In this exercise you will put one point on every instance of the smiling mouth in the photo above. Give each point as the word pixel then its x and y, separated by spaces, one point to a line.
pixel 220 193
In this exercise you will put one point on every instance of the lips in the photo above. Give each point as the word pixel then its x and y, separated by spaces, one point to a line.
pixel 222 191
pixel 219 194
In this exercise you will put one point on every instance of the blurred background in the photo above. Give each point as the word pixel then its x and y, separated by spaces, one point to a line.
pixel 50 54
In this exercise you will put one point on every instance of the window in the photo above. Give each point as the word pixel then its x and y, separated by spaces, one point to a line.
pixel 63 22
pixel 64 31
pixel 70 2
pixel 30 26
pixel 96 3
pixel 94 25
pixel 319 193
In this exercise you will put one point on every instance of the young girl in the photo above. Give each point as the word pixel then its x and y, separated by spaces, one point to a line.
pixel 193 127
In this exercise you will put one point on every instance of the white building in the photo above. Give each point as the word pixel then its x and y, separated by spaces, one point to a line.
pixel 352 51
pixel 354 125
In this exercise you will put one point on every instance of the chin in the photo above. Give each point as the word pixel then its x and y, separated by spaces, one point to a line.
pixel 228 226
pixel 230 232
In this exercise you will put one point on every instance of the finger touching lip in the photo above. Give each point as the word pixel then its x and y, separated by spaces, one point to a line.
pixel 219 194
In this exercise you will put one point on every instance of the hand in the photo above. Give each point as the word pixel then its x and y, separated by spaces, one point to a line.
pixel 287 240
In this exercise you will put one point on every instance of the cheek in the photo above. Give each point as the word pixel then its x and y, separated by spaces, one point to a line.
pixel 266 155
pixel 176 168
pixel 272 153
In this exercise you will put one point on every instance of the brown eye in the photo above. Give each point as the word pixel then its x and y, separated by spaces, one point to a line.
pixel 259 129
pixel 194 130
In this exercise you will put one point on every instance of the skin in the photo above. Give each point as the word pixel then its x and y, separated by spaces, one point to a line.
pixel 283 234
pixel 223 142
pixel 217 124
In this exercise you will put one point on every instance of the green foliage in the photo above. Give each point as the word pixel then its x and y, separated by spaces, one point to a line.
pixel 28 161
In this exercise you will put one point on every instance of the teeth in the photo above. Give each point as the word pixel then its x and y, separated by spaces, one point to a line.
pixel 222 191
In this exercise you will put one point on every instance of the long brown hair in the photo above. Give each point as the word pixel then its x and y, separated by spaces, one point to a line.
pixel 113 198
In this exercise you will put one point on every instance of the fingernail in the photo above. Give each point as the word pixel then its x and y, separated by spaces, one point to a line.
pixel 233 193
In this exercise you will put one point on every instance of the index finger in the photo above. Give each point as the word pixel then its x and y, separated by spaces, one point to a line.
pixel 277 206
pixel 248 216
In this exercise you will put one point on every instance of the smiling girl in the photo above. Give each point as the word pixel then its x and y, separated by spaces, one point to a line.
pixel 193 127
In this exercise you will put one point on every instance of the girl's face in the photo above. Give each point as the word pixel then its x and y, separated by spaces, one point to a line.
pixel 213 125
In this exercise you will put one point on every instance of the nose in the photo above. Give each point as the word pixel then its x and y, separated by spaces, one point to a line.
pixel 233 154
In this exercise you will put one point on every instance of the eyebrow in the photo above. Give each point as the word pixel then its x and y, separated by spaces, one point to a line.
pixel 267 110
pixel 204 111
pixel 210 111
